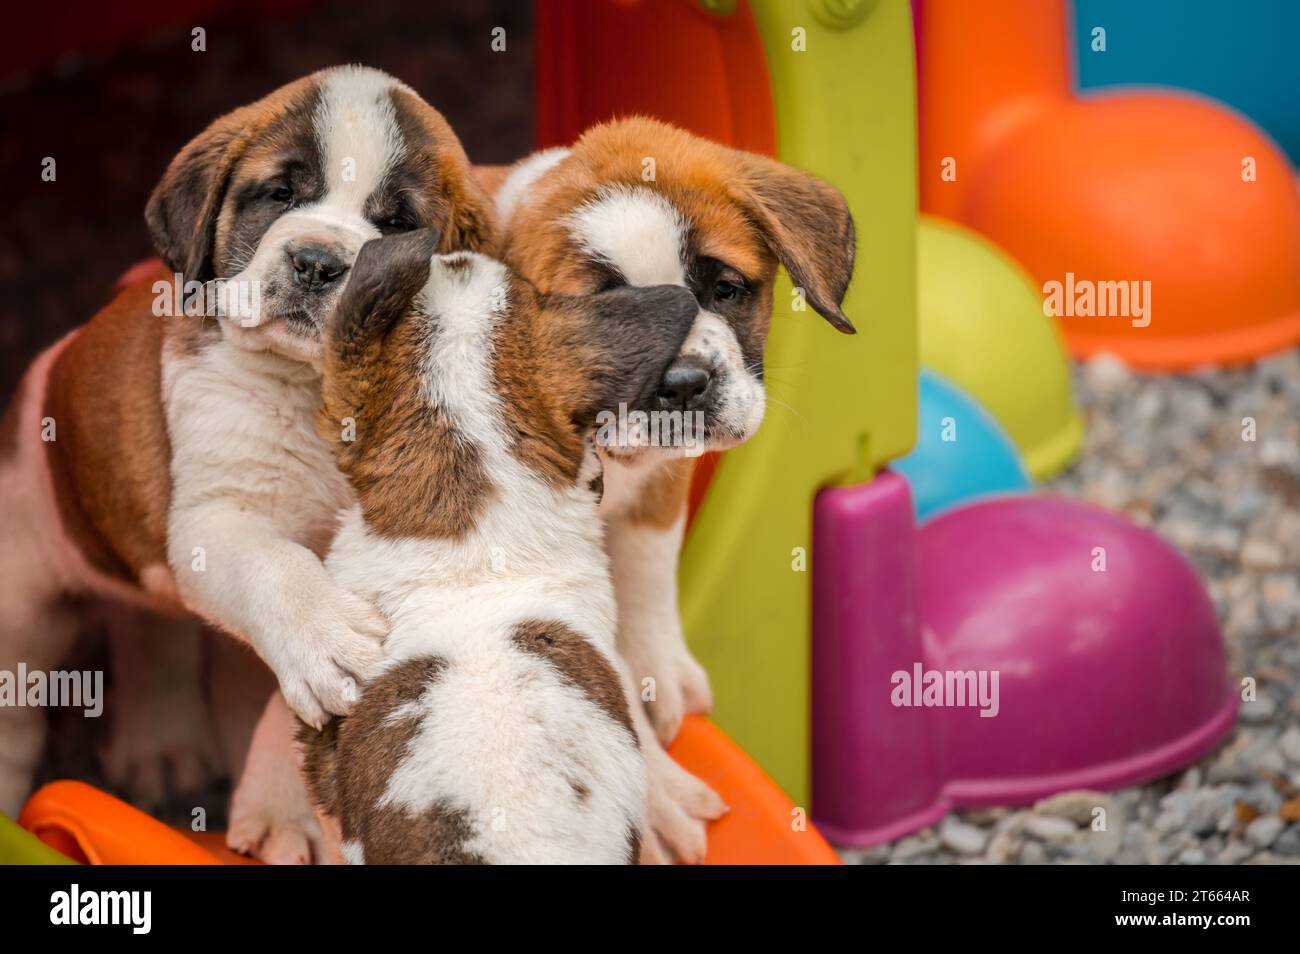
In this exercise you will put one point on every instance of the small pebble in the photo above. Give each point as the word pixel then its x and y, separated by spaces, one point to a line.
pixel 962 838
pixel 1264 830
pixel 1235 852
pixel 1077 806
pixel 1260 554
pixel 1260 710
pixel 1033 854
pixel 1288 843
pixel 1048 828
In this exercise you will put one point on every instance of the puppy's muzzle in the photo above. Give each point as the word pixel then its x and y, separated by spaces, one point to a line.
pixel 685 386
pixel 315 267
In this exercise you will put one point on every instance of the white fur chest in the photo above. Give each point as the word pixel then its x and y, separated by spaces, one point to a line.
pixel 243 429
pixel 518 564
pixel 625 483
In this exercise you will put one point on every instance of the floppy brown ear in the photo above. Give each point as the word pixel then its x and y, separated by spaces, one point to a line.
pixel 472 223
pixel 808 227
pixel 182 210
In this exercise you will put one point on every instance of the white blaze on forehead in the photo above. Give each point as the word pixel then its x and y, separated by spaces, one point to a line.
pixel 359 137
pixel 637 231
pixel 514 190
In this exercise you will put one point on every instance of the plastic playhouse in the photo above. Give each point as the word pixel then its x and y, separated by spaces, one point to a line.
pixel 1108 660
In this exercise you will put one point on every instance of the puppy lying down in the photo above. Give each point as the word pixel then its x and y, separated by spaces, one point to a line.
pixel 462 406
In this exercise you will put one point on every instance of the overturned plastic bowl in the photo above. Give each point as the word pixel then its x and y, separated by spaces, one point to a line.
pixel 1111 669
pixel 1004 651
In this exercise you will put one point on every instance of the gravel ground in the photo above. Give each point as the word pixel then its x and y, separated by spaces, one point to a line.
pixel 1168 450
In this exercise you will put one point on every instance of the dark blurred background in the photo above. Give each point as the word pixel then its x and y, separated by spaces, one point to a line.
pixel 112 94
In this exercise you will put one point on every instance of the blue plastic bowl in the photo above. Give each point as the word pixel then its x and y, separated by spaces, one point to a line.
pixel 961 452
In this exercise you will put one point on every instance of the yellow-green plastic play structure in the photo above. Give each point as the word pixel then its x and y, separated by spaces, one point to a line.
pixel 19 847
pixel 746 606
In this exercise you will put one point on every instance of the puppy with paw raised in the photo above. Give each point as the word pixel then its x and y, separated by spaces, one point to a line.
pixel 168 462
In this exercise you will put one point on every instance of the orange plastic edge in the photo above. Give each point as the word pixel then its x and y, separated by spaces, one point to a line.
pixel 95 828
pixel 763 827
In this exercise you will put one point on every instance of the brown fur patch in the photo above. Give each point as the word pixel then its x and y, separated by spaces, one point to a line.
pixel 663 496
pixel 110 460
pixel 349 763
pixel 534 360
pixel 580 791
pixel 579 662
pixel 633 845
pixel 413 472
pixel 461 209
pixel 808 226
pixel 490 178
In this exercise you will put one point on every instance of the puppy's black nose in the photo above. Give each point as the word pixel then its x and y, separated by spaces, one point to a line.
pixel 684 387
pixel 315 267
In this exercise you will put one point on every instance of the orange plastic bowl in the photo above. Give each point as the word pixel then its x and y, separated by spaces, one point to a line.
pixel 1161 188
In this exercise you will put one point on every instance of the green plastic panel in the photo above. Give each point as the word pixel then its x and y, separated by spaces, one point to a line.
pixel 839 407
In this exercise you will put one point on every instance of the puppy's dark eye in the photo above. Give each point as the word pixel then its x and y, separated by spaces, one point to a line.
pixel 726 291
pixel 283 195
pixel 395 223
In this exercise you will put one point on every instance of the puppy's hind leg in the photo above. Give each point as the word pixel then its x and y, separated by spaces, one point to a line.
pixel 679 806
pixel 271 814
pixel 37 631
pixel 238 686
pixel 162 742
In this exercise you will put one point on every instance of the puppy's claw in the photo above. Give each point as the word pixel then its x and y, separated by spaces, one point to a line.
pixel 679 806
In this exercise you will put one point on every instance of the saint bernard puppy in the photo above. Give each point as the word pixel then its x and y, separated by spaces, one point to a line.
pixel 637 202
pixel 169 462
pixel 463 406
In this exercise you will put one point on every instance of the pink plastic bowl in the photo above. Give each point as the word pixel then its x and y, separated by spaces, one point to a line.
pixel 1105 677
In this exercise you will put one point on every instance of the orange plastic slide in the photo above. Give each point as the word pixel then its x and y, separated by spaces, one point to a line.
pixel 762 828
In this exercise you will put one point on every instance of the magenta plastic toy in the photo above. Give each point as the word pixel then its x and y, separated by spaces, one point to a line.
pixel 1109 665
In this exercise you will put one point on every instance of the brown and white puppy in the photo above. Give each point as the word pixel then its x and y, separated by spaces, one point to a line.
pixel 463 406
pixel 173 462
pixel 639 202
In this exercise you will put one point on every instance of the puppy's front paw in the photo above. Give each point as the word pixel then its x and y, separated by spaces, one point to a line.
pixel 678 809
pixel 326 659
pixel 680 686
